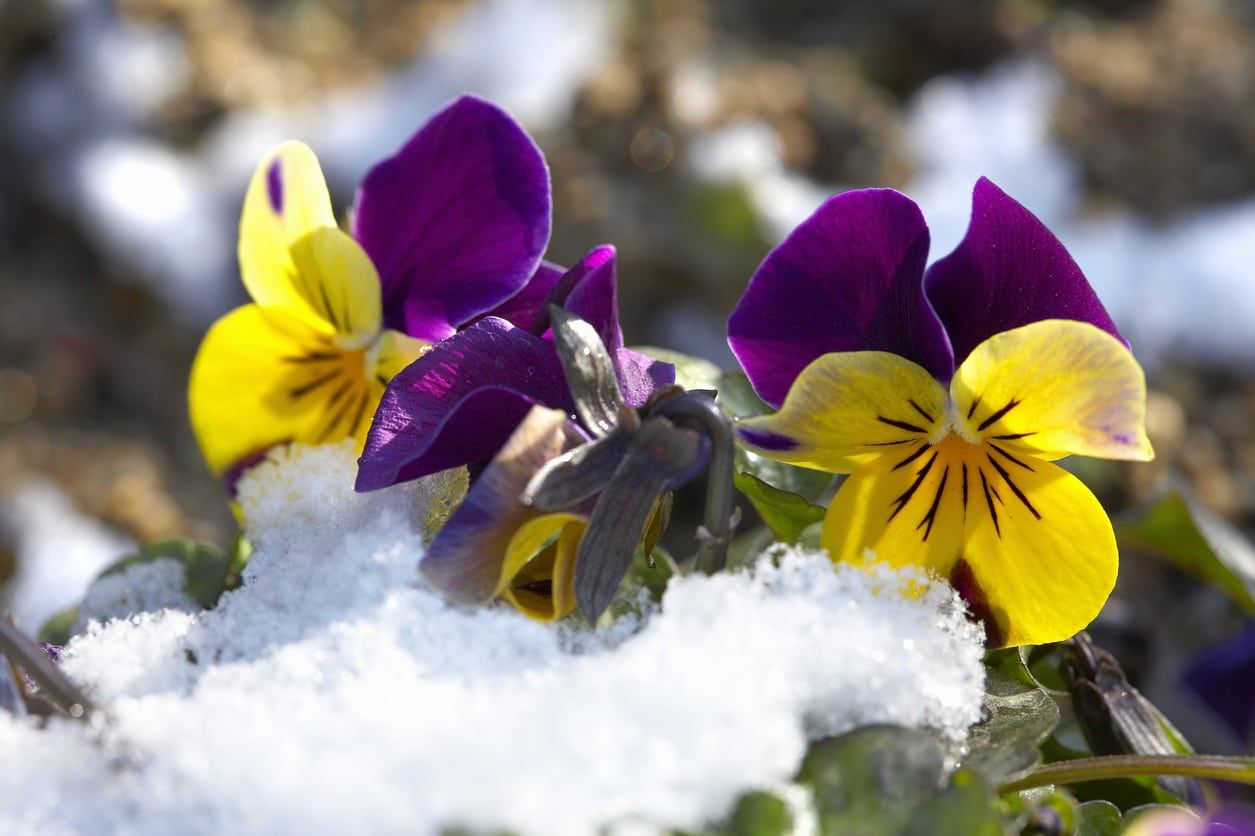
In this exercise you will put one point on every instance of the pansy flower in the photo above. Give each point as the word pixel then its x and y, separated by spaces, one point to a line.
pixel 555 518
pixel 946 394
pixel 451 226
pixel 459 402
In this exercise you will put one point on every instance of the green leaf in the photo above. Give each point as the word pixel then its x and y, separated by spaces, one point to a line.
pixel 1098 818
pixel 760 814
pixel 690 372
pixel 1018 717
pixel 787 514
pixel 59 628
pixel 738 400
pixel 871 780
pixel 965 808
pixel 207 571
pixel 1196 542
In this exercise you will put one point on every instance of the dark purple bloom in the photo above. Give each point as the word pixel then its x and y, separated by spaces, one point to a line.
pixel 852 278
pixel 459 402
pixel 456 222
pixel 1224 678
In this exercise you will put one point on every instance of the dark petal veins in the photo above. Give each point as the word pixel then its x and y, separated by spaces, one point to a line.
pixel 457 220
pixel 849 278
pixel 1008 271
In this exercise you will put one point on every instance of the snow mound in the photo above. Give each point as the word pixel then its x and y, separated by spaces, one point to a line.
pixel 335 693
pixel 148 586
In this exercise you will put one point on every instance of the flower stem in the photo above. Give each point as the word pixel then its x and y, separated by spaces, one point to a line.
pixel 53 684
pixel 712 551
pixel 1213 767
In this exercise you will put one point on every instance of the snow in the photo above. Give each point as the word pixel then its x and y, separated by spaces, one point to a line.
pixel 1180 288
pixel 148 586
pixel 59 551
pixel 82 126
pixel 335 693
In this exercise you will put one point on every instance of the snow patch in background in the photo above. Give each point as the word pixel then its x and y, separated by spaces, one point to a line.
pixel 59 550
pixel 81 124
pixel 334 693
pixel 1186 287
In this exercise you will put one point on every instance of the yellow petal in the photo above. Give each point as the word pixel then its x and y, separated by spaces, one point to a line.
pixel 293 257
pixel 262 378
pixel 846 408
pixel 539 569
pixel 1043 563
pixel 395 352
pixel 1054 388
pixel 905 508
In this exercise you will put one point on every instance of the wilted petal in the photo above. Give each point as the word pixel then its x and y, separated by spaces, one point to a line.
pixel 467 560
pixel 457 221
pixel 590 373
pixel 459 402
pixel 577 475
pixel 657 452
pixel 849 278
pixel 1008 271
pixel 540 566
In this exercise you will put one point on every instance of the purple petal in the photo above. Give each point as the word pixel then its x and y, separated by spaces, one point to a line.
pixel 640 376
pixel 465 559
pixel 587 290
pixel 1008 271
pixel 1223 677
pixel 522 308
pixel 849 278
pixel 594 295
pixel 459 402
pixel 456 222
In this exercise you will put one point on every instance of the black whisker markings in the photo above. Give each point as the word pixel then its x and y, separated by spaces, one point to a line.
pixel 340 392
pixel 989 501
pixel 383 381
pixel 1011 404
pixel 971 410
pixel 890 443
pixel 301 391
pixel 1011 458
pixel 326 304
pixel 1012 436
pixel 1019 494
pixel 313 357
pixel 932 509
pixel 909 492
pixel 920 410
pixel 336 417
pixel 902 425
pixel 965 490
pixel 361 411
pixel 923 448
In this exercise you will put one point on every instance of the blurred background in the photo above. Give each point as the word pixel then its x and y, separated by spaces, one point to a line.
pixel 693 134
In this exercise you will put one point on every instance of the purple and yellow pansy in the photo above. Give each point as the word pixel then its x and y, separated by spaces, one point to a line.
pixel 459 402
pixel 946 394
pixel 451 226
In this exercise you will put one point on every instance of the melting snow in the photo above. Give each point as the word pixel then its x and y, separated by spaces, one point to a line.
pixel 334 693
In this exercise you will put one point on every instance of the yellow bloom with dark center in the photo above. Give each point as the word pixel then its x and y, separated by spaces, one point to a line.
pixel 309 359
pixel 960 480
pixel 947 393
